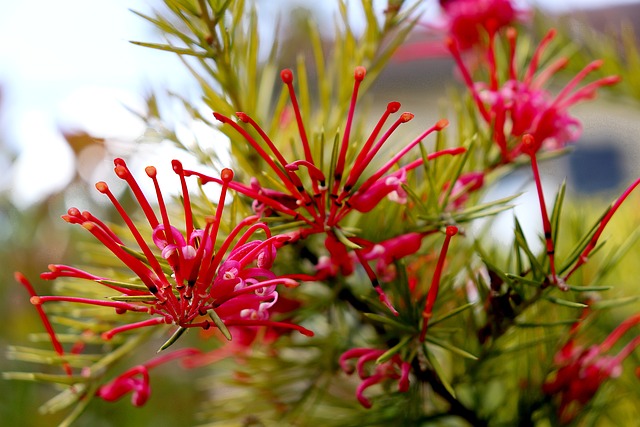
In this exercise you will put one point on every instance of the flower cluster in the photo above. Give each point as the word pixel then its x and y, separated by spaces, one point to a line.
pixel 190 280
pixel 579 372
pixel 330 195
pixel 520 104
pixel 202 288
pixel 393 369
pixel 468 22
pixel 315 212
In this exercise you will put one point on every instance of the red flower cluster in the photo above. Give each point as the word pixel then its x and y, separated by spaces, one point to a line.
pixel 581 371
pixel 234 291
pixel 321 200
pixel 468 22
pixel 393 369
pixel 520 104
pixel 189 279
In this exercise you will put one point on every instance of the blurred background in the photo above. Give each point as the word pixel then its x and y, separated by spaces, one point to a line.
pixel 71 85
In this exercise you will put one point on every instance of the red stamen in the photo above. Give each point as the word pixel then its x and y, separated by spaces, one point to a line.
pixel 249 192
pixel 435 282
pixel 152 173
pixel 491 61
pixel 186 201
pixel 375 283
pixel 455 52
pixel 123 173
pixel 594 240
pixel 155 283
pixel 315 173
pixel 437 127
pixel 548 72
pixel 287 78
pixel 293 187
pixel 130 326
pixel 577 79
pixel 359 168
pixel 392 107
pixel 247 119
pixel 622 328
pixel 587 92
pixel 269 323
pixel 359 74
pixel 226 176
pixel 512 36
pixel 530 148
pixel 89 217
pixel 535 59
pixel 57 346
pixel 103 188
pixel 118 305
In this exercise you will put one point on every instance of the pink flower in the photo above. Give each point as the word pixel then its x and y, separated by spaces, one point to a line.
pixel 387 252
pixel 520 105
pixel 466 184
pixel 581 371
pixel 207 284
pixel 468 22
pixel 136 379
pixel 393 369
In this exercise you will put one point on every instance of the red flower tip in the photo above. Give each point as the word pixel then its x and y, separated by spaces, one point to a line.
pixel 73 211
pixel 393 107
pixel 88 225
pixel 177 167
pixel 451 44
pixel 405 117
pixel 290 283
pixel 226 175
pixel 119 162
pixel 220 117
pixel 121 171
pixel 306 332
pixel 242 116
pixel 528 143
pixel 451 230
pixel 102 187
pixel 512 33
pixel 35 300
pixel 106 335
pixel 359 73
pixel 20 277
pixel 286 75
pixel 441 124
pixel 611 80
pixel 151 171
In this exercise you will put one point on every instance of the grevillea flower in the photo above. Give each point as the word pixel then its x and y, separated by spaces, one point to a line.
pixel 321 199
pixel 392 369
pixel 520 104
pixel 432 294
pixel 383 254
pixel 581 371
pixel 466 184
pixel 136 379
pixel 188 280
pixel 468 22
